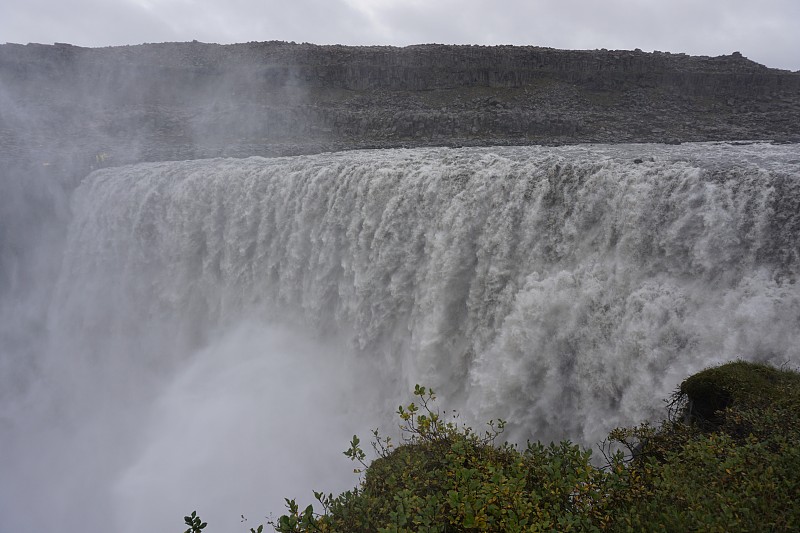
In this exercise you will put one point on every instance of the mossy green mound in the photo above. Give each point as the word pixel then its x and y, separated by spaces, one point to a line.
pixel 731 463
pixel 741 386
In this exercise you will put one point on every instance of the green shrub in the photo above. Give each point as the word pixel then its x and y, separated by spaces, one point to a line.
pixel 728 461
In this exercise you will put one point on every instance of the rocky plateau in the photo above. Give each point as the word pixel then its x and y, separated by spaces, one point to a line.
pixel 71 109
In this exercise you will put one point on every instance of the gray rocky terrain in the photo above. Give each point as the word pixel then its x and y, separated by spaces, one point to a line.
pixel 64 105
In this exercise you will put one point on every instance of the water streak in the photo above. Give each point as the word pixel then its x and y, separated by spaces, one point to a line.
pixel 568 289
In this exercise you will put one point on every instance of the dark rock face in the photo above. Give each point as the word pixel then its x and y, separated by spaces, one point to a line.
pixel 81 107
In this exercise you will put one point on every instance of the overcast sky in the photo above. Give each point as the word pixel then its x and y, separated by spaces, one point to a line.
pixel 766 31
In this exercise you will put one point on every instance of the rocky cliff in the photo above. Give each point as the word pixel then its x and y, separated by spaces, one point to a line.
pixel 67 106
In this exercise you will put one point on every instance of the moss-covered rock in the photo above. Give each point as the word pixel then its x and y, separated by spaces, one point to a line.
pixel 739 385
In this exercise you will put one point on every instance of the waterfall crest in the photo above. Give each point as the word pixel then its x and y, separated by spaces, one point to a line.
pixel 566 289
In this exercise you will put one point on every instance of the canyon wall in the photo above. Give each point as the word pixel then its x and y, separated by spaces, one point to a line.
pixel 190 100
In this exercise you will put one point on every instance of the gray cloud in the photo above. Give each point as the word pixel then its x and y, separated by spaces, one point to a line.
pixel 765 31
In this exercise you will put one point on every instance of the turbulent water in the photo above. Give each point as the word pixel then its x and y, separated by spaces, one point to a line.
pixel 220 327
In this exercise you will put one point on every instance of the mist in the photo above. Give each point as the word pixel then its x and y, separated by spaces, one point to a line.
pixel 258 415
pixel 118 425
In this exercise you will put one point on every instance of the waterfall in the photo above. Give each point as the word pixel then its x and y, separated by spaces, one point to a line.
pixel 568 290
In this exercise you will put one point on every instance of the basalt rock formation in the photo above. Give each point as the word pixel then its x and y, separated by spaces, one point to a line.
pixel 70 106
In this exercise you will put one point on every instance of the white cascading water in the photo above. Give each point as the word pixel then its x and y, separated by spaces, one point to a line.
pixel 220 328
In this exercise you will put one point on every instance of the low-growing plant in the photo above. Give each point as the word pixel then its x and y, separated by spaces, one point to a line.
pixel 727 459
pixel 195 524
pixel 445 476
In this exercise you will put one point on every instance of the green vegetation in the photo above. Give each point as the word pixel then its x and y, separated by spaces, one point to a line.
pixel 195 524
pixel 731 462
pixel 728 459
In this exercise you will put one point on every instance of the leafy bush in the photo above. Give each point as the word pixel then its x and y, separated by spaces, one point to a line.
pixel 446 477
pixel 729 460
pixel 195 524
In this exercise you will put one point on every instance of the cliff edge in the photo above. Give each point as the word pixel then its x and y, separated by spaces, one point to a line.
pixel 70 106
